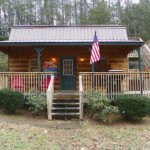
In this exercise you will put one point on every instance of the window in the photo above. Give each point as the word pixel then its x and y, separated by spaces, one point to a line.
pixel 67 67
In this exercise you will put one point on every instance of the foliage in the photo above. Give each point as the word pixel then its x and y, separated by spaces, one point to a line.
pixel 3 62
pixel 133 107
pixel 3 38
pixel 99 106
pixel 135 17
pixel 102 9
pixel 10 100
pixel 37 104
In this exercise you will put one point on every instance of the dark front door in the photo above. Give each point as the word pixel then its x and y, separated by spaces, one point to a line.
pixel 68 74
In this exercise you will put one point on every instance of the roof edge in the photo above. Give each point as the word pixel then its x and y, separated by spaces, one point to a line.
pixel 8 43
pixel 66 26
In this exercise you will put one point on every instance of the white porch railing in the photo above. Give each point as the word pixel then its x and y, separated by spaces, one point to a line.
pixel 81 96
pixel 29 83
pixel 114 84
pixel 49 96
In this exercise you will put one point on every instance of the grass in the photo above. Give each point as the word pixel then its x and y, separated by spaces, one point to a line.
pixel 18 134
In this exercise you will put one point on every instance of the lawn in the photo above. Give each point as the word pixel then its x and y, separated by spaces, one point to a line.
pixel 23 132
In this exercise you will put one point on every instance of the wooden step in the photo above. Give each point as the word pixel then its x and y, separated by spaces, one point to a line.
pixel 62 96
pixel 65 114
pixel 65 108
pixel 65 103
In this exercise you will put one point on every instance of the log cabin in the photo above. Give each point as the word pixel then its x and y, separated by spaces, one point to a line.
pixel 36 52
pixel 69 49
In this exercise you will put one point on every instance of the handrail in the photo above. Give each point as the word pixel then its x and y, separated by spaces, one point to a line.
pixel 81 96
pixel 112 84
pixel 29 83
pixel 80 83
pixel 49 96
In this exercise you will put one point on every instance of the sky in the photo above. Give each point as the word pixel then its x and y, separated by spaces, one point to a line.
pixel 135 1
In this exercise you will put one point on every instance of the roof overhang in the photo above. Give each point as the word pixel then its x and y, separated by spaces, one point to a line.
pixel 105 43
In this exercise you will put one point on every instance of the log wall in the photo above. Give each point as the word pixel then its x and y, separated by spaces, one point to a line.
pixel 24 59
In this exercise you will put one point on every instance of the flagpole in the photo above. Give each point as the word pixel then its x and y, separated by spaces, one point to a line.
pixel 95 56
pixel 93 69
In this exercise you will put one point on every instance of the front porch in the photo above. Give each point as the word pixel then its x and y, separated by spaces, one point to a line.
pixel 57 65
pixel 109 84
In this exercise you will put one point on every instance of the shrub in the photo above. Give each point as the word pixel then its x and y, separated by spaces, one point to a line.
pixel 11 100
pixel 37 104
pixel 133 107
pixel 99 106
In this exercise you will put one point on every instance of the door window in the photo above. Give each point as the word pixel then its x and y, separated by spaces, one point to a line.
pixel 67 67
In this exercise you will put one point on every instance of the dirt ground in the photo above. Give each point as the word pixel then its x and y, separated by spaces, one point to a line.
pixel 24 131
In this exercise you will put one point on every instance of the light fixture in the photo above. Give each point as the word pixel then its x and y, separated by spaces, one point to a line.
pixel 53 59
pixel 82 59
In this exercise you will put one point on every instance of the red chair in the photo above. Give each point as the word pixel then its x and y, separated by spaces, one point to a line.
pixel 17 83
pixel 44 84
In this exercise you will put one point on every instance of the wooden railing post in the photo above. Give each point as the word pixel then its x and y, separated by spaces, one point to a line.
pixel 49 95
pixel 81 96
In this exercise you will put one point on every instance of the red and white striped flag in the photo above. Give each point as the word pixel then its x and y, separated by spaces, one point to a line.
pixel 95 54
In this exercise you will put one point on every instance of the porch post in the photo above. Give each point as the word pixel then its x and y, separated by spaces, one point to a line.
pixel 93 69
pixel 140 70
pixel 38 50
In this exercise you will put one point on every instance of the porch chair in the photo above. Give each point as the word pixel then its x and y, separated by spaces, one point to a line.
pixel 17 83
pixel 45 83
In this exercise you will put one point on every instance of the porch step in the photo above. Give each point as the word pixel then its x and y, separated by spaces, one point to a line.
pixel 66 103
pixel 66 107
pixel 65 114
pixel 66 96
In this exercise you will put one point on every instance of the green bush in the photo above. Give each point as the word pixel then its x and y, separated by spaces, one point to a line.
pixel 11 100
pixel 37 104
pixel 99 106
pixel 133 107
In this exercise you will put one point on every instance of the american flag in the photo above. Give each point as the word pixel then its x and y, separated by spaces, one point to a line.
pixel 95 54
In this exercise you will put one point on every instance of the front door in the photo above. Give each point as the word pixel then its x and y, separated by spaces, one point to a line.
pixel 68 74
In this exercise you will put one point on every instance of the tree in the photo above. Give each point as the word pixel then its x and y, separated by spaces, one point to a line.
pixel 77 12
pixel 3 62
pixel 100 14
pixel 137 18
